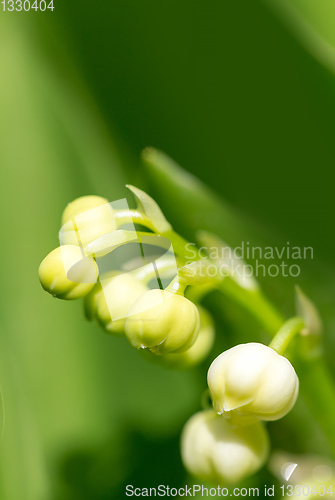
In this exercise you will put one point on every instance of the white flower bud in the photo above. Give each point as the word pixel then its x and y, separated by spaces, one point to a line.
pixel 67 274
pixel 197 352
pixel 162 321
pixel 109 303
pixel 214 451
pixel 81 205
pixel 252 381
pixel 85 220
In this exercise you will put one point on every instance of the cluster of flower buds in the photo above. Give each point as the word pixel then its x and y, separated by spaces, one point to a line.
pixel 248 383
pixel 163 321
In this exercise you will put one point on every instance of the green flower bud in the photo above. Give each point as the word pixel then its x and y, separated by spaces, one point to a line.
pixel 212 450
pixel 109 303
pixel 86 219
pixel 67 274
pixel 252 381
pixel 162 321
pixel 197 352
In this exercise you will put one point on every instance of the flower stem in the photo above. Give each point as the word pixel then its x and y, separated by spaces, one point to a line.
pixel 177 286
pixel 128 216
pixel 179 245
pixel 317 390
pixel 162 267
pixel 255 302
pixel 286 333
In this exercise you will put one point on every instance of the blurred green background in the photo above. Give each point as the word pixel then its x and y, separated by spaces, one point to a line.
pixel 242 94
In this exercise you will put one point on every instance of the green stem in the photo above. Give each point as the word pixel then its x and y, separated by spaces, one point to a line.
pixel 255 302
pixel 198 293
pixel 179 245
pixel 177 285
pixel 317 389
pixel 127 216
pixel 162 266
pixel 286 333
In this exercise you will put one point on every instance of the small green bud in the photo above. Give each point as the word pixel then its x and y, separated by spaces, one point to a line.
pixel 197 352
pixel 252 381
pixel 67 274
pixel 163 321
pixel 308 311
pixel 109 303
pixel 86 219
pixel 212 450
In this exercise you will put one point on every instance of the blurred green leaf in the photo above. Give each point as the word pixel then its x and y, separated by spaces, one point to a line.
pixel 188 201
pixel 313 24
pixel 53 148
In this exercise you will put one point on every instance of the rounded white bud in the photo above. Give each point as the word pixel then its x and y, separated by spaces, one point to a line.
pixel 85 220
pixel 81 205
pixel 67 274
pixel 215 451
pixel 109 303
pixel 252 381
pixel 196 353
pixel 162 321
